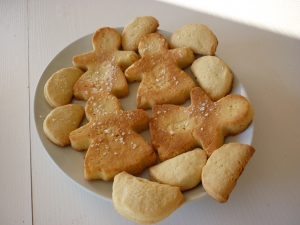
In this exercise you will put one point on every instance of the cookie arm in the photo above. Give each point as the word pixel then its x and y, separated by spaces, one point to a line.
pixel 138 120
pixel 134 72
pixel 126 59
pixel 182 57
pixel 80 138
pixel 81 61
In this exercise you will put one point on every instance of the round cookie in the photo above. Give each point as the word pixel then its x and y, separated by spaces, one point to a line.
pixel 213 75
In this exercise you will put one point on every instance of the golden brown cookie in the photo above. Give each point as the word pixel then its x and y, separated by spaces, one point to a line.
pixel 112 139
pixel 223 168
pixel 183 171
pixel 175 129
pixel 104 66
pixel 137 29
pixel 159 69
pixel 213 75
pixel 61 121
pixel 198 37
pixel 144 201
pixel 58 90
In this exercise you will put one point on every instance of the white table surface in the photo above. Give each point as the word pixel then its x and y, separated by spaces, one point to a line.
pixel 260 40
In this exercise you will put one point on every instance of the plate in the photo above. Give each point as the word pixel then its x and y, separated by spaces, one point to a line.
pixel 69 161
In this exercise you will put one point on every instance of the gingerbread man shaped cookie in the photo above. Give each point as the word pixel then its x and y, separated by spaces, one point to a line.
pixel 104 66
pixel 175 129
pixel 159 69
pixel 112 139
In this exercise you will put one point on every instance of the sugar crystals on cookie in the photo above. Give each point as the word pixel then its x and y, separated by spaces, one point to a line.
pixel 176 129
pixel 160 72
pixel 112 139
pixel 104 66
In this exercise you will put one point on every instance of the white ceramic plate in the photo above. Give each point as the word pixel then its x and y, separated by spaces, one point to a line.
pixel 70 161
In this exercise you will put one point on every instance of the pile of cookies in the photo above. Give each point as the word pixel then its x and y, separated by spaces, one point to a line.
pixel 187 143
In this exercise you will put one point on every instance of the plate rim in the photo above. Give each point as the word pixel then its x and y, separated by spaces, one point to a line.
pixel 41 83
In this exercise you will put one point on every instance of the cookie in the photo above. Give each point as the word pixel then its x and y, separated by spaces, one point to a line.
pixel 198 37
pixel 176 129
pixel 213 75
pixel 104 66
pixel 160 72
pixel 61 121
pixel 183 171
pixel 112 140
pixel 58 90
pixel 136 29
pixel 223 168
pixel 144 201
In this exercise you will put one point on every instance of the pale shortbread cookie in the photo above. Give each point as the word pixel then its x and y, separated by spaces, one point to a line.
pixel 137 29
pixel 183 171
pixel 58 90
pixel 223 168
pixel 176 129
pixel 144 201
pixel 160 71
pixel 104 66
pixel 61 121
pixel 112 139
pixel 213 75
pixel 198 37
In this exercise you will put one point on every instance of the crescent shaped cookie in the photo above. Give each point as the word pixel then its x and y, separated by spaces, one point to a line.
pixel 61 121
pixel 144 201
pixel 137 29
pixel 198 37
pixel 58 90
pixel 213 75
pixel 223 168
pixel 183 171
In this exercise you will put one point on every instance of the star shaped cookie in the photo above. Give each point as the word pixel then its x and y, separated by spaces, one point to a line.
pixel 160 72
pixel 104 66
pixel 112 139
pixel 175 129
